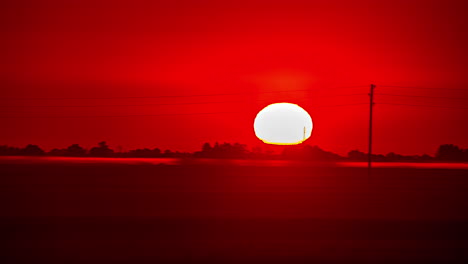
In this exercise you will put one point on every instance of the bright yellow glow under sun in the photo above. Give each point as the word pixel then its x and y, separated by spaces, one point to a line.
pixel 283 124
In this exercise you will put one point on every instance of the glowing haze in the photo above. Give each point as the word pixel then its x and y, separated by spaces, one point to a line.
pixel 283 124
pixel 126 71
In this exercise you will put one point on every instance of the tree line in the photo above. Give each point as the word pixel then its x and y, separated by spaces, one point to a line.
pixel 446 152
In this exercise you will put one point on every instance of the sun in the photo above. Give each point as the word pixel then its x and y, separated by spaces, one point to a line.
pixel 283 124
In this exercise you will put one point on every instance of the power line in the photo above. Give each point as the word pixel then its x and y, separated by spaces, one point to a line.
pixel 340 105
pixel 121 105
pixel 110 116
pixel 141 115
pixel 154 104
pixel 423 88
pixel 423 96
pixel 345 87
pixel 168 96
pixel 139 97
pixel 436 106
pixel 339 95
pixel 148 97
pixel 222 94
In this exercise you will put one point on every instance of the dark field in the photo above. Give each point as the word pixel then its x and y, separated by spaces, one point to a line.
pixel 141 213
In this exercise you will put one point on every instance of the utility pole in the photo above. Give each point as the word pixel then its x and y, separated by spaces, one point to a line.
pixel 371 106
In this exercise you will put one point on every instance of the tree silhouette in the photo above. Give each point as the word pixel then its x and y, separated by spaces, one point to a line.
pixel 75 150
pixel 168 153
pixel 310 153
pixel 101 151
pixel 225 150
pixel 145 153
pixel 9 151
pixel 157 152
pixel 450 152
pixel 57 152
pixel 446 152
pixel 393 157
pixel 207 148
pixel 357 155
pixel 32 150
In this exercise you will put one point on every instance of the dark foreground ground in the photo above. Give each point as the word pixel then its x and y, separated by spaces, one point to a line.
pixel 111 213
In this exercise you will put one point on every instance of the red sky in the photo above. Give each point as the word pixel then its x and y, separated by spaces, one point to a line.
pixel 78 50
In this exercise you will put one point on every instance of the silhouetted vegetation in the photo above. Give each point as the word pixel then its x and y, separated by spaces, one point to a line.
pixel 32 150
pixel 101 151
pixel 356 155
pixel 306 152
pixel 74 150
pixel 225 150
pixel 9 151
pixel 445 153
pixel 450 152
pixel 145 153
